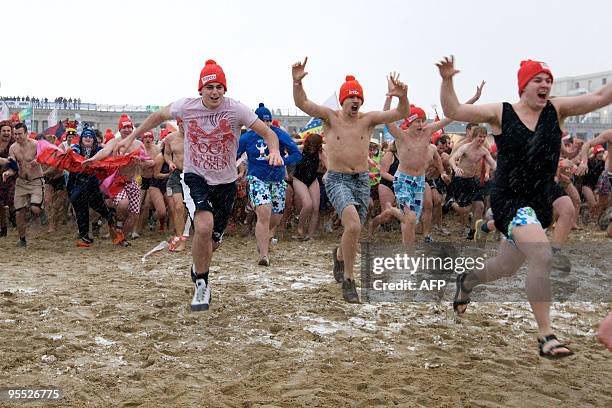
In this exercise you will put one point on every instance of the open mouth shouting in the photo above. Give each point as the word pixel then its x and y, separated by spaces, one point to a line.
pixel 354 107
pixel 542 94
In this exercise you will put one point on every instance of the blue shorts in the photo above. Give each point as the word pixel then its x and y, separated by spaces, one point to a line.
pixel 267 192
pixel 344 189
pixel 409 193
pixel 524 216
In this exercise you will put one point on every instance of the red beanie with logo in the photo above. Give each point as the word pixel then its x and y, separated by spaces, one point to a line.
pixel 415 113
pixel 211 73
pixel 528 70
pixel 124 121
pixel 350 88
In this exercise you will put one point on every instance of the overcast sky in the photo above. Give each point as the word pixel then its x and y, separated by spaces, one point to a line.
pixel 151 52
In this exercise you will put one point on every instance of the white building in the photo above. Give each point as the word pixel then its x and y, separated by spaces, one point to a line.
pixel 595 122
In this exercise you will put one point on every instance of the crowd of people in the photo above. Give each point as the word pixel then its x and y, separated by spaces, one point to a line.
pixel 45 103
pixel 229 168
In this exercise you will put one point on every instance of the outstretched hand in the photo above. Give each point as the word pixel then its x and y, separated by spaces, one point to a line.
pixel 479 89
pixel 121 146
pixel 297 70
pixel 395 86
pixel 447 67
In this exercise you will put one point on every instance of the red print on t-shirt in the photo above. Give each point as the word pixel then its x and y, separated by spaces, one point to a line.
pixel 210 151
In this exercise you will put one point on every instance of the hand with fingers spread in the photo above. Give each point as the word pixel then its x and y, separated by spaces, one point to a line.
pixel 395 86
pixel 297 71
pixel 479 89
pixel 447 67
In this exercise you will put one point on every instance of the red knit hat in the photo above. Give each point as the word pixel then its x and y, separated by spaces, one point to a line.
pixel 148 133
pixel 598 149
pixel 350 88
pixel 109 135
pixel 163 134
pixel 211 73
pixel 124 121
pixel 415 113
pixel 528 70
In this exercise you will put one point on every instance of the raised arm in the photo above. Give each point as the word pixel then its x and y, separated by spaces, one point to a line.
pixel 151 122
pixel 395 88
pixel 580 105
pixel 299 95
pixel 435 126
pixel 490 113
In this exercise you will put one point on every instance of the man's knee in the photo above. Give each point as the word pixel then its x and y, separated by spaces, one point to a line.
pixel 564 207
pixel 36 210
pixel 203 224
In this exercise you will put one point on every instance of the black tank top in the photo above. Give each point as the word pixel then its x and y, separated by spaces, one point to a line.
pixel 527 160
pixel 392 170
pixel 306 169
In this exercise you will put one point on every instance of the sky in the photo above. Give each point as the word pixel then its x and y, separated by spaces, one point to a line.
pixel 151 52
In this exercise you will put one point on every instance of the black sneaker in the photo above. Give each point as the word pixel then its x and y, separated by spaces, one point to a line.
pixel 3 232
pixel 447 205
pixel 349 291
pixel 22 243
pixel 470 235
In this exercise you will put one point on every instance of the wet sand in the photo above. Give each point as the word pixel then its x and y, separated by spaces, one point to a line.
pixel 110 330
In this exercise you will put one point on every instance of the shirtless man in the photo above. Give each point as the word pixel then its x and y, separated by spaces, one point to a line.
pixel 528 140
pixel 150 196
pixel 465 162
pixel 437 186
pixel 29 183
pixel 127 201
pixel 415 152
pixel 347 137
pixel 605 137
pixel 7 188
pixel 173 154
pixel 212 126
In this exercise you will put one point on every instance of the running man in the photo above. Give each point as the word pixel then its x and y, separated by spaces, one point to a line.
pixel 347 137
pixel 29 183
pixel 528 139
pixel 466 162
pixel 266 183
pixel 212 131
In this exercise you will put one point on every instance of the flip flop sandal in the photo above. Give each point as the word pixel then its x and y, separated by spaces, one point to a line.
pixel 549 354
pixel 460 288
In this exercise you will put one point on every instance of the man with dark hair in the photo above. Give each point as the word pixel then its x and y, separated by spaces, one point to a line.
pixel 29 183
pixel 212 126
pixel 7 188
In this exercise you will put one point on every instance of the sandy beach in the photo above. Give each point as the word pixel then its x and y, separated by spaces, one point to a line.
pixel 110 330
